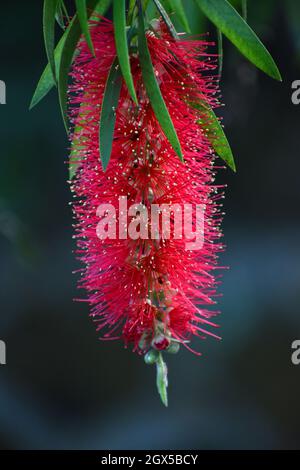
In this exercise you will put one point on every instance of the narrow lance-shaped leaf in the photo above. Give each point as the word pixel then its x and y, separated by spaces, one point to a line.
pixel 101 8
pixel 145 5
pixel 49 13
pixel 215 133
pixel 177 7
pixel 153 91
pixel 232 25
pixel 197 20
pixel 65 11
pixel 122 45
pixel 83 20
pixel 67 54
pixel 65 62
pixel 131 7
pixel 46 81
pixel 166 19
pixel 59 15
pixel 74 162
pixel 108 112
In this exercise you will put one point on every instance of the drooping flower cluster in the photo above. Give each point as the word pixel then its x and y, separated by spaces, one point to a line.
pixel 149 291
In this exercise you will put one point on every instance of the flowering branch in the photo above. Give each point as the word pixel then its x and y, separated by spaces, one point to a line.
pixel 138 99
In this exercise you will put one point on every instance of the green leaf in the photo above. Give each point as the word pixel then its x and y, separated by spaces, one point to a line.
pixel 232 25
pixel 49 12
pixel 131 8
pixel 153 91
pixel 151 11
pixel 215 133
pixel 108 112
pixel 67 54
pixel 166 19
pixel 162 379
pixel 122 45
pixel 177 7
pixel 197 20
pixel 65 11
pixel 100 9
pixel 83 20
pixel 59 16
pixel 46 81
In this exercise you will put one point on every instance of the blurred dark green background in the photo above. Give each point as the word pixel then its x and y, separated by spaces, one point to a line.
pixel 61 387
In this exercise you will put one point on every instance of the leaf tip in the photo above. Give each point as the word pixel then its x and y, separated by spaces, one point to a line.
pixel 91 46
pixel 104 165
pixel 232 166
pixel 33 102
pixel 134 97
pixel 104 161
pixel 275 73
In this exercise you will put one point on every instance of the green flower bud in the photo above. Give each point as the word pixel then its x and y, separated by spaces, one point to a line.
pixel 151 356
pixel 173 348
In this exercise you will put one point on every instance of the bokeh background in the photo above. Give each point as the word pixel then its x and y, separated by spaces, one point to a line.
pixel 64 389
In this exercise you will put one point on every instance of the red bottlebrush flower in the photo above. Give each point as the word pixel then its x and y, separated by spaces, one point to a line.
pixel 151 291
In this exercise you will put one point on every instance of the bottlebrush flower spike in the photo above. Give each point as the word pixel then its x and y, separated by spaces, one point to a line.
pixel 148 289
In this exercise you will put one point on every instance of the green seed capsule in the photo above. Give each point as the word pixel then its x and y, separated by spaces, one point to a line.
pixel 151 356
pixel 173 348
